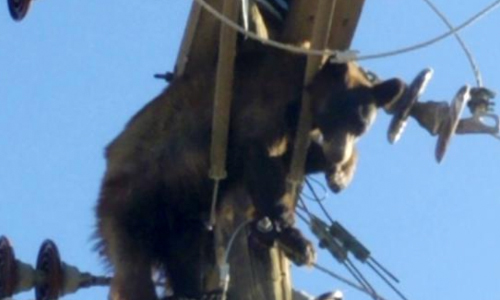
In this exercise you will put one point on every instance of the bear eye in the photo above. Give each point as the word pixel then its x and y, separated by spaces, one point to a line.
pixel 366 114
pixel 365 111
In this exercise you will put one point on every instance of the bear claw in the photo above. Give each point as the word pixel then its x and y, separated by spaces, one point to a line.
pixel 296 247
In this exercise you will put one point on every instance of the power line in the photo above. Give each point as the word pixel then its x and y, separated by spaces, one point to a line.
pixel 344 280
pixel 432 41
pixel 468 53
pixel 325 212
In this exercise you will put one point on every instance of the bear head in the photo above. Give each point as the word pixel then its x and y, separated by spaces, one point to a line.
pixel 344 106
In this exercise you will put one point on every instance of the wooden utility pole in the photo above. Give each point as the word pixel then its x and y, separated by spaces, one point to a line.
pixel 262 274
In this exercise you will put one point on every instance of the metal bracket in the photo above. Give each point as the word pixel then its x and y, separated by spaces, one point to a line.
pixel 481 108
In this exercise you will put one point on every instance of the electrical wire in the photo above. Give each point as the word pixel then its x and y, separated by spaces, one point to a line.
pixel 319 202
pixel 468 53
pixel 233 238
pixel 340 56
pixel 438 38
pixel 315 196
pixel 303 206
pixel 344 280
pixel 224 267
pixel 304 219
pixel 381 267
pixel 349 265
pixel 351 268
pixel 269 42
pixel 323 187
pixel 361 278
pixel 396 290
pixel 363 284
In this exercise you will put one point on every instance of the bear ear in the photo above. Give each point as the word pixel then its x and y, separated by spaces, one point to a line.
pixel 388 92
pixel 329 74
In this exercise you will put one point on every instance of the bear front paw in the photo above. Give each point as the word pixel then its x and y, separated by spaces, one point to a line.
pixel 296 247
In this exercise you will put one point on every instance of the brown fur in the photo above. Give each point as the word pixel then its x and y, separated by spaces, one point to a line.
pixel 156 193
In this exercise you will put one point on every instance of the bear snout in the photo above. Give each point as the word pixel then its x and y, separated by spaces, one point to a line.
pixel 342 156
pixel 336 181
pixel 338 148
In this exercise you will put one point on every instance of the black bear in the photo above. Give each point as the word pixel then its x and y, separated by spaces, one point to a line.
pixel 156 194
pixel 345 102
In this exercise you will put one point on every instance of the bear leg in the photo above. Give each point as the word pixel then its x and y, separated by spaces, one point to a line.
pixel 265 181
pixel 128 224
pixel 132 268
pixel 189 258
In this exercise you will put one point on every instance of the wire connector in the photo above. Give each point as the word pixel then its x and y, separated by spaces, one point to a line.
pixel 338 56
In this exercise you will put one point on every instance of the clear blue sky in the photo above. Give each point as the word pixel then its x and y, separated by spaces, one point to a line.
pixel 73 72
